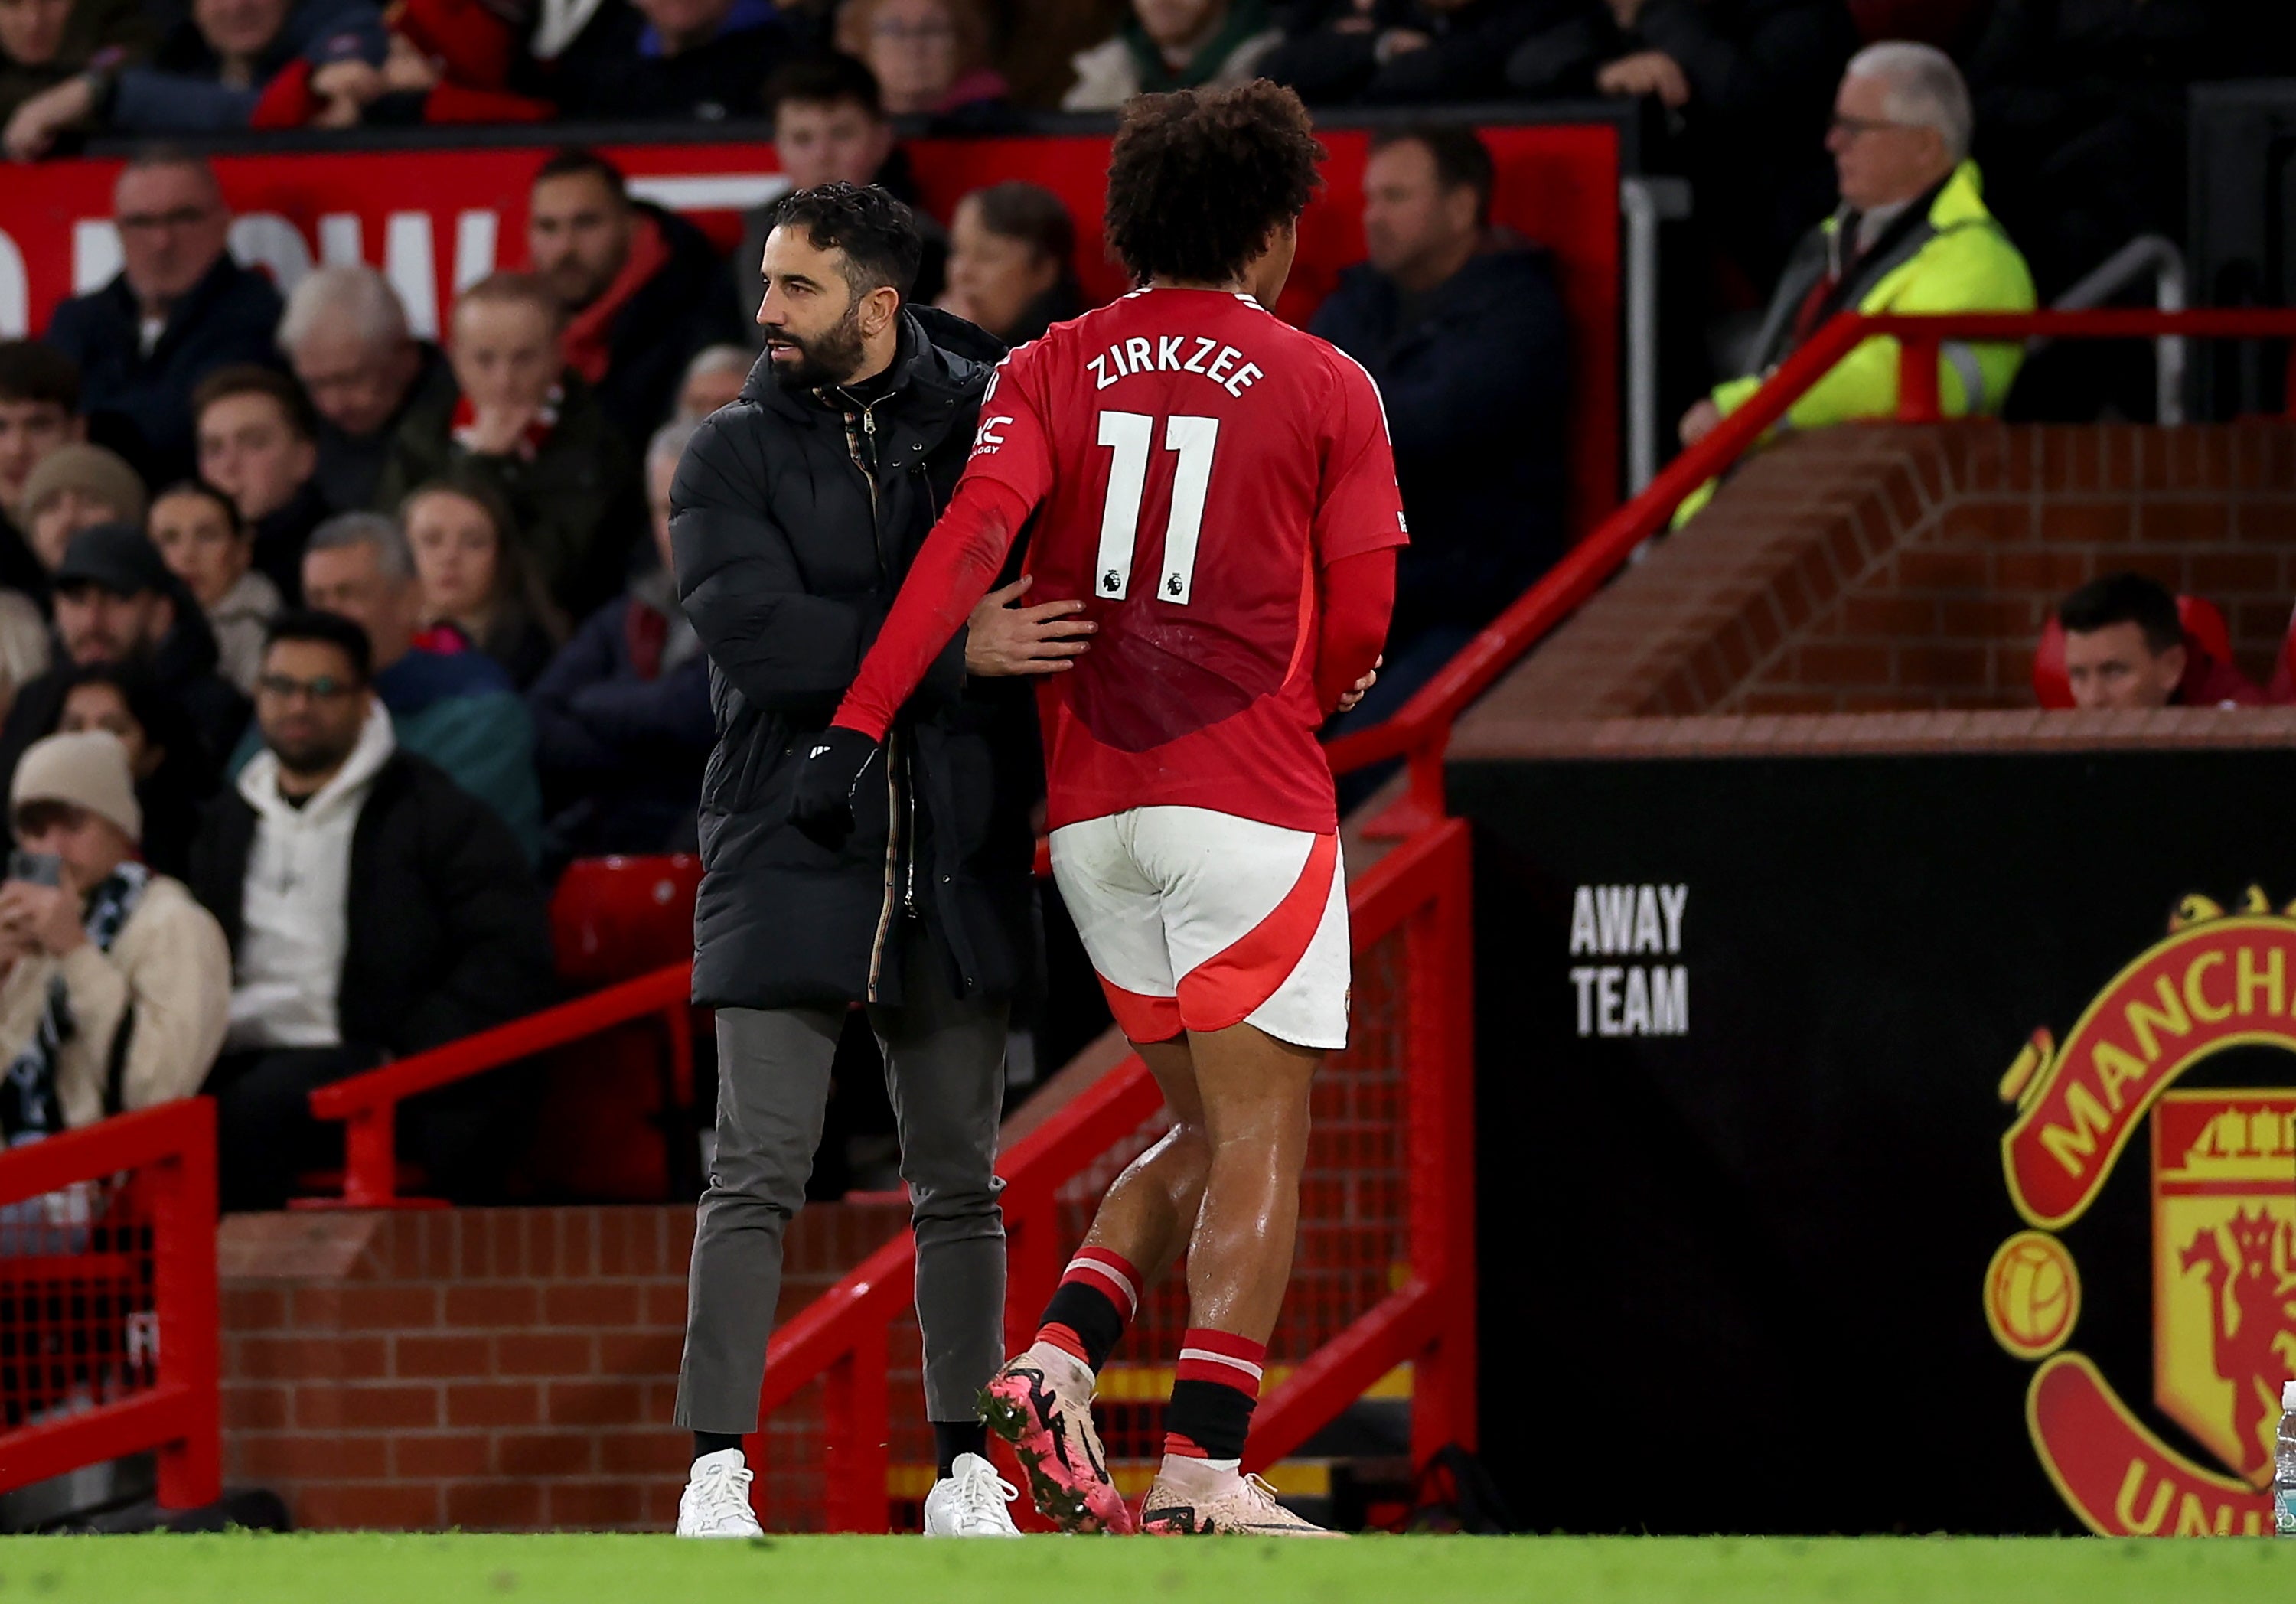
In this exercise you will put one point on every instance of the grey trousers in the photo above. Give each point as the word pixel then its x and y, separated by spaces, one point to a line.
pixel 944 1072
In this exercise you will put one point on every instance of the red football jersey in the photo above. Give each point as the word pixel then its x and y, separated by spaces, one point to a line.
pixel 1193 461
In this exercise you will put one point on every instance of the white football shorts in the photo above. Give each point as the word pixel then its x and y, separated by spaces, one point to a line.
pixel 1199 921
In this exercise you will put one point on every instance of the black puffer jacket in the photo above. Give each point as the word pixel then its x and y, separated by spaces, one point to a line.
pixel 789 555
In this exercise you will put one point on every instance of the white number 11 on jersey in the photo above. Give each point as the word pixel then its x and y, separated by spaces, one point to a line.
pixel 1131 434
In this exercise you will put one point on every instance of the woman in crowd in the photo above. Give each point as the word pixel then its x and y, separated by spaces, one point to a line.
pixel 477 589
pixel 207 545
pixel 1012 261
pixel 930 57
pixel 173 774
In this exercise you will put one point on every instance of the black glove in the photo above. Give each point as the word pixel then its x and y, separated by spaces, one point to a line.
pixel 822 803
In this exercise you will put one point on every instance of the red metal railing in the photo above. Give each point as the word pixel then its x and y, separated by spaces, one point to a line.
pixel 1422 1315
pixel 108 1314
pixel 368 1103
pixel 1420 728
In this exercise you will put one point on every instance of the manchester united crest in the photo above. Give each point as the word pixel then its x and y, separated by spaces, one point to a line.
pixel 2223 1227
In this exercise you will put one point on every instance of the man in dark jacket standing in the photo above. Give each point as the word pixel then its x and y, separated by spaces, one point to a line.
pixel 178 309
pixel 795 514
pixel 375 909
pixel 1461 326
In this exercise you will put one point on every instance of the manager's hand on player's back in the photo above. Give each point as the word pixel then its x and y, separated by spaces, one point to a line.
pixel 1004 638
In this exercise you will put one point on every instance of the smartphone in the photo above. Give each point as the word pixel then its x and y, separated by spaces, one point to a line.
pixel 36 868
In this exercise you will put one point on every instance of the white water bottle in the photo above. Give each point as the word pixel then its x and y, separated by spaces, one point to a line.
pixel 2283 1479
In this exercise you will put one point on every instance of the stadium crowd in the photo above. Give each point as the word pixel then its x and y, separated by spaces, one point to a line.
pixel 324 647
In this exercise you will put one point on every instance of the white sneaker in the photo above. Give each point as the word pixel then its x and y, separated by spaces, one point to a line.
pixel 716 1502
pixel 970 1502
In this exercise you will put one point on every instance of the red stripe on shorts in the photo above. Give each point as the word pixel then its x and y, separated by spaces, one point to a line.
pixel 1142 1018
pixel 1228 987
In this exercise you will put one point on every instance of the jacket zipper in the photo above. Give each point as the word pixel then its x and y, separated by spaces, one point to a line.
pixel 900 879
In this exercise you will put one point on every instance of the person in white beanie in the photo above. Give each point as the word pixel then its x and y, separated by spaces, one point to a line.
pixel 117 985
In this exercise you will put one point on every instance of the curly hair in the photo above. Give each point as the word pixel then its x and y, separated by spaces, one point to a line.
pixel 1199 178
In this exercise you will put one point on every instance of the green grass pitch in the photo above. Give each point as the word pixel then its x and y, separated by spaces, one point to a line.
pixel 355 1568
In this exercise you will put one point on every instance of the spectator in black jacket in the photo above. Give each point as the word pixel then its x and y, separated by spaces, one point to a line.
pixel 622 724
pixel 174 776
pixel 643 289
pixel 1739 91
pixel 1462 327
pixel 373 909
pixel 1404 51
pixel 345 334
pixel 116 601
pixel 178 309
pixel 676 61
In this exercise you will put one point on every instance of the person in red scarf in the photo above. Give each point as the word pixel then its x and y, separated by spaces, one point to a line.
pixel 643 290
pixel 530 429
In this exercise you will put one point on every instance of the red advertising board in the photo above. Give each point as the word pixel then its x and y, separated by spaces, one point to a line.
pixel 436 219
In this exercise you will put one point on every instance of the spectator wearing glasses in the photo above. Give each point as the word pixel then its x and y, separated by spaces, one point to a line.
pixel 930 57
pixel 372 909
pixel 114 984
pixel 458 710
pixel 39 412
pixel 1912 234
pixel 178 309
pixel 345 334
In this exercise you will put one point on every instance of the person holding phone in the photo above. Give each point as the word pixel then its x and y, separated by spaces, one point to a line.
pixel 115 985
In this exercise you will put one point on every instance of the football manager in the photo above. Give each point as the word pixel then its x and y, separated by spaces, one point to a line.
pixel 795 514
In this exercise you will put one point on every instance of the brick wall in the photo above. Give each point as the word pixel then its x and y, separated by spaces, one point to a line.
pixel 1868 568
pixel 477 1367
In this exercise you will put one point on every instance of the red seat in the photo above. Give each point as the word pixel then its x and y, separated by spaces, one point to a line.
pixel 2207 642
pixel 617 918
pixel 616 1124
pixel 2282 691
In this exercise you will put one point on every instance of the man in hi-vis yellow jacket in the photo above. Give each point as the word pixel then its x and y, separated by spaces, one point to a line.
pixel 1912 235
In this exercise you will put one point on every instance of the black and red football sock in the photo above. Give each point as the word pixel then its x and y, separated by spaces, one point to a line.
pixel 1098 1295
pixel 1214 1391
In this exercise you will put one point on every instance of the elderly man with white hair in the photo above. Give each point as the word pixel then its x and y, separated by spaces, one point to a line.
pixel 346 335
pixel 1912 234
